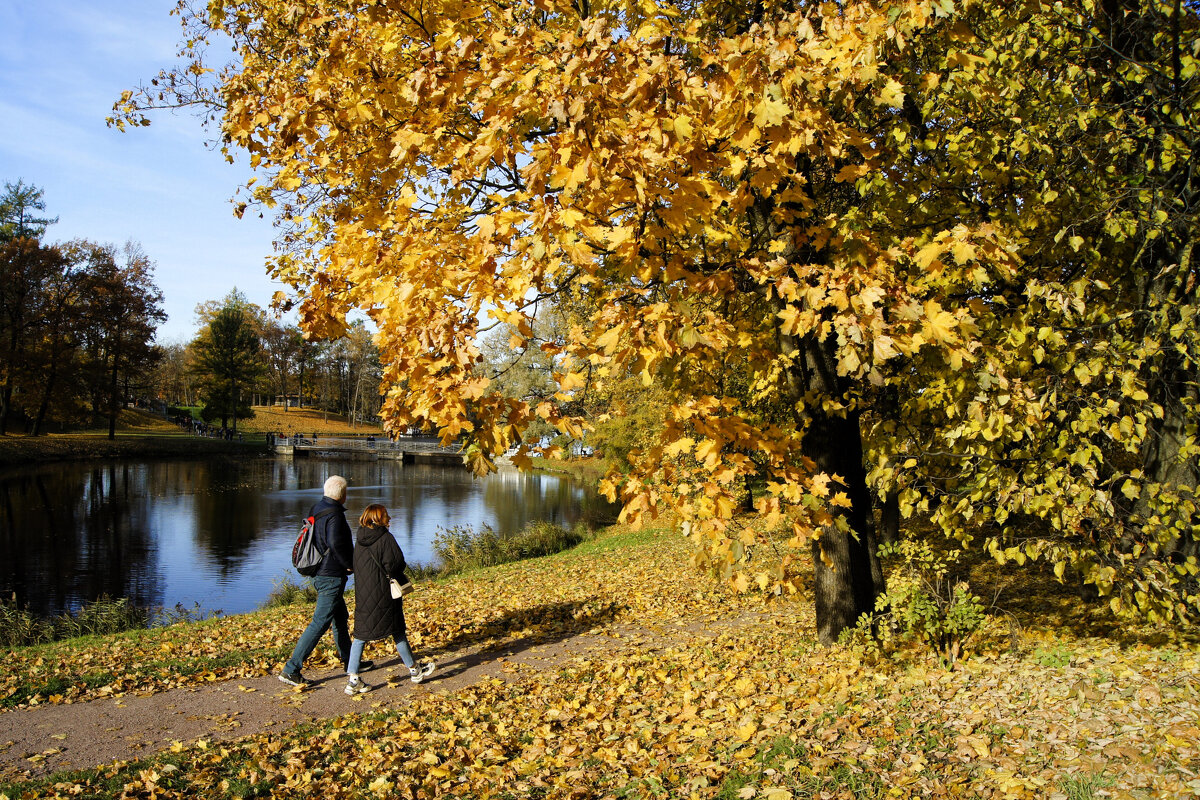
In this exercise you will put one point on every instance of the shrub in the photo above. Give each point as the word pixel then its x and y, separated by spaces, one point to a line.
pixel 102 616
pixel 287 592
pixel 921 604
pixel 462 548
pixel 19 627
pixel 181 614
pixel 423 572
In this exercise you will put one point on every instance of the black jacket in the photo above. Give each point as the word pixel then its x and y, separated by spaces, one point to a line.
pixel 333 533
pixel 377 557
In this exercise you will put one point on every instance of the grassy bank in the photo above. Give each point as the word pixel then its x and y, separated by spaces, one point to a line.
pixel 138 435
pixel 587 471
pixel 304 421
pixel 66 447
pixel 749 707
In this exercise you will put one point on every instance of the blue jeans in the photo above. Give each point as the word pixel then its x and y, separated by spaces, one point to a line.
pixel 356 649
pixel 331 610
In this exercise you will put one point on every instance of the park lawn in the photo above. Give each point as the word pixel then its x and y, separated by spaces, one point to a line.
pixel 138 435
pixel 274 419
pixel 759 711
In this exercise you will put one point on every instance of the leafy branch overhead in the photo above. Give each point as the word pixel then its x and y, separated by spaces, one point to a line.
pixel 928 254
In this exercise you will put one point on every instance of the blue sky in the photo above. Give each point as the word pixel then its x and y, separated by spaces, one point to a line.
pixel 62 65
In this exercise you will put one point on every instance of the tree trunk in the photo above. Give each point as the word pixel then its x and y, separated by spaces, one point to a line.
pixel 889 519
pixel 848 573
pixel 43 407
pixel 6 390
pixel 5 405
pixel 113 408
pixel 1176 388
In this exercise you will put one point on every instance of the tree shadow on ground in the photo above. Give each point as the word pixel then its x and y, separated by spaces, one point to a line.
pixel 1031 597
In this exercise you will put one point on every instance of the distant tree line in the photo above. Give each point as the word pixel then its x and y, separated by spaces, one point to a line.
pixel 77 340
pixel 242 356
pixel 77 322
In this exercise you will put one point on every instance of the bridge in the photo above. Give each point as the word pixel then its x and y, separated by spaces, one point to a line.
pixel 407 449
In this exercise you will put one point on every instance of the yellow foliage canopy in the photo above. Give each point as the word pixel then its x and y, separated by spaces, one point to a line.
pixel 955 238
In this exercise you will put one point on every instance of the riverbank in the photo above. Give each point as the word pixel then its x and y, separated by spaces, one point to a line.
pixel 143 435
pixel 587 471
pixel 723 696
pixel 17 450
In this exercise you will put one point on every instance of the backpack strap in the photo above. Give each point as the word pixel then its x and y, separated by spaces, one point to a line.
pixel 324 534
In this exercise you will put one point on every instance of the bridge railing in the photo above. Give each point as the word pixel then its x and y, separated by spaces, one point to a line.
pixel 382 444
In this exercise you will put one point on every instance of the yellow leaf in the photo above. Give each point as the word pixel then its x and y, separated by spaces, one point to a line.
pixel 939 325
pixel 892 94
pixel 572 380
pixel 770 112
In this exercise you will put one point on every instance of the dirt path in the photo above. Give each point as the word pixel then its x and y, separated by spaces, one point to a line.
pixel 47 739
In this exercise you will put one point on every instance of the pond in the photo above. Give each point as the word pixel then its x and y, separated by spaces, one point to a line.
pixel 219 532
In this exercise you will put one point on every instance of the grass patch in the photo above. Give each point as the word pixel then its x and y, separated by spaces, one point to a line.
pixel 619 541
pixel 786 766
pixel 103 783
pixel 1085 787
pixel 167 670
pixel 584 470
pixel 748 709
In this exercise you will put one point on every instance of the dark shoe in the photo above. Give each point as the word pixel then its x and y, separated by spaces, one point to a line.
pixel 294 679
pixel 366 665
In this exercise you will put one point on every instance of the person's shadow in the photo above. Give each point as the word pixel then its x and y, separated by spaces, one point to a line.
pixel 527 627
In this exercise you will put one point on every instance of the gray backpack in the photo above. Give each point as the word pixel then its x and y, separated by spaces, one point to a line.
pixel 306 555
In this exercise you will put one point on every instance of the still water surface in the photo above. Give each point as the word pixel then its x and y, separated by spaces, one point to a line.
pixel 220 532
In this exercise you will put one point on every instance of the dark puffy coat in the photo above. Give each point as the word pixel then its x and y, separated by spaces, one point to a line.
pixel 333 533
pixel 377 557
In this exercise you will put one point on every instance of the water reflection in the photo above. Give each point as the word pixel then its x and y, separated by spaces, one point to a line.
pixel 219 532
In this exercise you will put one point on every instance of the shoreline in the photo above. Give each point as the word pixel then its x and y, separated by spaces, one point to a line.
pixel 19 450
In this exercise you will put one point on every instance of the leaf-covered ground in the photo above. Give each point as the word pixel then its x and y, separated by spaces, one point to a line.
pixel 758 711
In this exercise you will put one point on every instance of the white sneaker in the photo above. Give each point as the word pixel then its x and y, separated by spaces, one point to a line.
pixel 355 686
pixel 420 673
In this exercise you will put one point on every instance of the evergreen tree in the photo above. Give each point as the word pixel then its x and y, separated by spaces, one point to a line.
pixel 228 360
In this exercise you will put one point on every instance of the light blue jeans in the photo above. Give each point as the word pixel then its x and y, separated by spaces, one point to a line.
pixel 356 649
pixel 330 611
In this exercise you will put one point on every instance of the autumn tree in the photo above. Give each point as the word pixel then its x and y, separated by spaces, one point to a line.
pixel 282 345
pixel 362 373
pixel 174 379
pixel 519 367
pixel 29 267
pixel 228 360
pixel 124 306
pixel 930 252
pixel 54 345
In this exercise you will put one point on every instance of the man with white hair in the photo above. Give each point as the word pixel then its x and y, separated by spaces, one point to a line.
pixel 332 535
